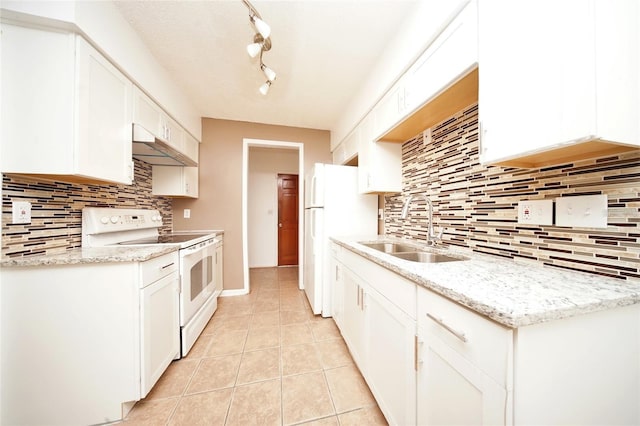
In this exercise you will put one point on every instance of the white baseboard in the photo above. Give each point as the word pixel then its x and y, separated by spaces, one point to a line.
pixel 234 292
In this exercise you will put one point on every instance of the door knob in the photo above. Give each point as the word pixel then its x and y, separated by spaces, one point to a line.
pixel 280 225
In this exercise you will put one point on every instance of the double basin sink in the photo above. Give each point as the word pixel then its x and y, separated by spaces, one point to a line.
pixel 413 254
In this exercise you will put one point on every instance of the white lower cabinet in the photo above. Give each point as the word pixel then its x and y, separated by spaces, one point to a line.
pixel 86 340
pixel 390 343
pixel 159 345
pixel 219 268
pixel 337 285
pixel 462 365
pixel 353 329
pixel 431 361
pixel 380 337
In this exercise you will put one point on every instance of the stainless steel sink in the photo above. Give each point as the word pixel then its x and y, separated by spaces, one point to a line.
pixel 413 254
pixel 390 247
pixel 427 257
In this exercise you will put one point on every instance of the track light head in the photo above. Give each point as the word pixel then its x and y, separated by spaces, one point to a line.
pixel 268 72
pixel 264 89
pixel 261 26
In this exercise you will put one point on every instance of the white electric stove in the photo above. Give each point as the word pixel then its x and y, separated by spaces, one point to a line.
pixel 103 226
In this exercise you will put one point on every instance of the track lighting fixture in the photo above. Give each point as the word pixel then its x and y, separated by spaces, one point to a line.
pixel 261 43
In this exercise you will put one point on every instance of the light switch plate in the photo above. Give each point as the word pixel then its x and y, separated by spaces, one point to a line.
pixel 187 213
pixel 535 212
pixel 21 212
pixel 584 211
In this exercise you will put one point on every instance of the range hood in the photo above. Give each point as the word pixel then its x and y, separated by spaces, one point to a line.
pixel 150 149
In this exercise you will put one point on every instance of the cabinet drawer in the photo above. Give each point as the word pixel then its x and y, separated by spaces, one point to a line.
pixel 158 267
pixel 398 290
pixel 487 345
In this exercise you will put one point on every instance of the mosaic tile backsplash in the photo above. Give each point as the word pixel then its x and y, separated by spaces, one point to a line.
pixel 56 212
pixel 477 205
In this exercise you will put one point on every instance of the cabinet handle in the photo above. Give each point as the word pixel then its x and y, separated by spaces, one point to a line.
pixel 358 296
pixel 166 266
pixel 460 335
pixel 337 277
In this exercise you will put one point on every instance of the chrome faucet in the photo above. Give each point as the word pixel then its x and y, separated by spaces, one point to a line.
pixel 432 238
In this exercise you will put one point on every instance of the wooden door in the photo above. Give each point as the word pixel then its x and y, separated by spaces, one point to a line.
pixel 287 220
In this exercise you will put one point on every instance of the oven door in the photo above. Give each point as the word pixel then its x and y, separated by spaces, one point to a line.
pixel 197 280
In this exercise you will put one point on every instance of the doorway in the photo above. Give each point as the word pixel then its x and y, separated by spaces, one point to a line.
pixel 247 185
pixel 287 220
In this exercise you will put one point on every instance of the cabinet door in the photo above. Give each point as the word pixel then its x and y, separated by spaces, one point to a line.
pixel 391 359
pixel 354 330
pixel 191 147
pixel 174 134
pixel 389 110
pixel 66 111
pixel 190 177
pixel 336 269
pixel 103 140
pixel 37 100
pixel 175 181
pixel 148 114
pixel 453 54
pixel 452 391
pixel 536 88
pixel 159 329
pixel 219 278
pixel 379 163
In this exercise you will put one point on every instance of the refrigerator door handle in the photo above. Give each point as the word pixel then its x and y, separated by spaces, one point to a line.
pixel 313 225
pixel 313 191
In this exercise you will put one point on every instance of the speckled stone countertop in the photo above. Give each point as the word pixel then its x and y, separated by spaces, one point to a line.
pixel 92 255
pixel 510 292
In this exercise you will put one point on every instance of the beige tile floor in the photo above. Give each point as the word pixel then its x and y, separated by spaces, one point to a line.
pixel 264 358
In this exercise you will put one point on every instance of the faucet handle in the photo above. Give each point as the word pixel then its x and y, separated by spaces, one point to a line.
pixel 434 239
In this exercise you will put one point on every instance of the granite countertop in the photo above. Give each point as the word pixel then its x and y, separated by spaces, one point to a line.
pixel 513 293
pixel 92 255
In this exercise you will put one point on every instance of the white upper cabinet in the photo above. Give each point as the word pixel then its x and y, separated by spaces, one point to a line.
pixel 191 147
pixel 347 150
pixel 559 80
pixel 379 163
pixel 442 81
pixel 66 111
pixel 175 181
pixel 150 115
pixel 159 125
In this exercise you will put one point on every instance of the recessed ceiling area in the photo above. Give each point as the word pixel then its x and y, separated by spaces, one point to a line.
pixel 322 53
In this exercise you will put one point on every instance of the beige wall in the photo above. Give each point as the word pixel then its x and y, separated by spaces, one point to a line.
pixel 220 203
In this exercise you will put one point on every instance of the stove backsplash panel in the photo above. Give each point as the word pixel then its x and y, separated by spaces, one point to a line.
pixel 56 224
pixel 477 205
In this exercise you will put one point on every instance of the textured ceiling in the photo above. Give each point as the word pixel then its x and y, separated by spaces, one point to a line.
pixel 322 51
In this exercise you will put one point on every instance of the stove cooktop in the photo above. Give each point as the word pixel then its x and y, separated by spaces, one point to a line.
pixel 176 238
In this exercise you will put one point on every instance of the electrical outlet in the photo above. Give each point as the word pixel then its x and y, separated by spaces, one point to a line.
pixel 187 213
pixel 586 211
pixel 21 211
pixel 535 212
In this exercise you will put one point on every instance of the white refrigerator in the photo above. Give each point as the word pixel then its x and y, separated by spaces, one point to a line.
pixel 333 207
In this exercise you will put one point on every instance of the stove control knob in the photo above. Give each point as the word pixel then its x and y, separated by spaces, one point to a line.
pixel 104 220
pixel 157 218
pixel 114 219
